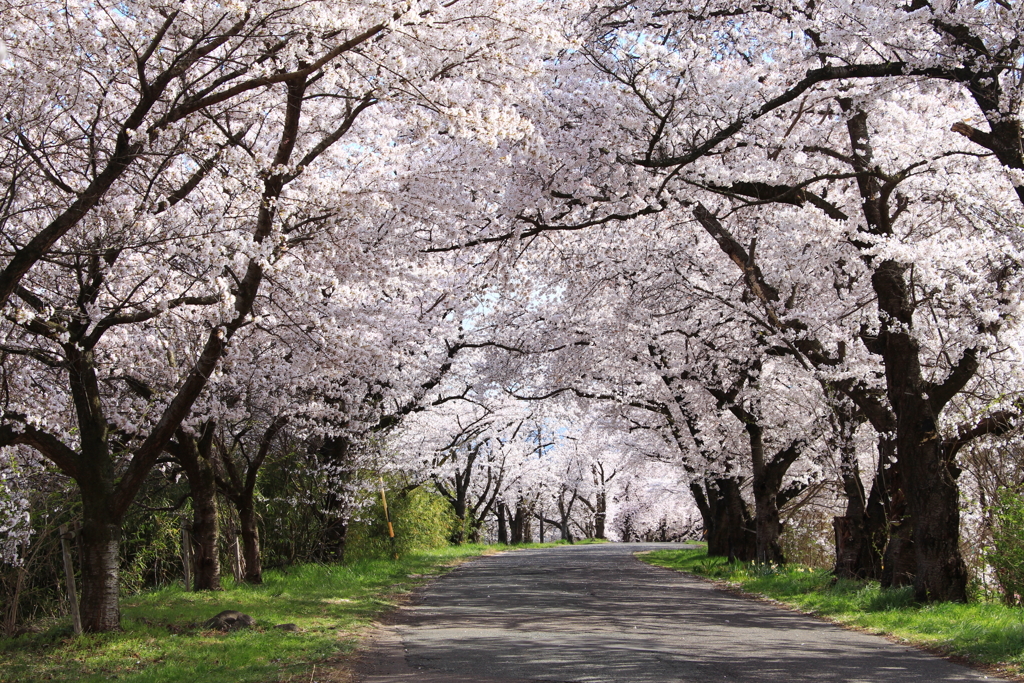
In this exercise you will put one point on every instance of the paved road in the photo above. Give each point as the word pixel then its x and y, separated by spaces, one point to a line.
pixel 595 613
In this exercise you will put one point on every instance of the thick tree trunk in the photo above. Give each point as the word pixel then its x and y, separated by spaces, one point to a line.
pixel 250 543
pixel 768 477
pixel 929 476
pixel 767 525
pixel 528 526
pixel 860 539
pixel 565 516
pixel 335 456
pixel 459 532
pixel 928 472
pixel 899 562
pixel 704 507
pixel 100 539
pixel 600 514
pixel 194 456
pixel 929 531
pixel 516 524
pixel 728 527
pixel 205 530
pixel 861 534
pixel 502 526
pixel 886 503
pixel 933 498
pixel 100 562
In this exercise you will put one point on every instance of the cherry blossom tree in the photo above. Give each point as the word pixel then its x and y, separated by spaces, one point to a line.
pixel 191 158
pixel 746 238
pixel 775 117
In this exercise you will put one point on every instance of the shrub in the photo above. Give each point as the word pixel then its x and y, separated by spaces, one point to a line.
pixel 1007 554
pixel 808 538
pixel 421 519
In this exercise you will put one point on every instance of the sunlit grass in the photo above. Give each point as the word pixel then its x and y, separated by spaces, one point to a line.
pixel 163 640
pixel 983 632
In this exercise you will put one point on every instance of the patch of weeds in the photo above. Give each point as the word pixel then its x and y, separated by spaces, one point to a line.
pixel 713 567
pixel 875 599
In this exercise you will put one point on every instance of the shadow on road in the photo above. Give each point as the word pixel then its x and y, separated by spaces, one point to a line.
pixel 595 613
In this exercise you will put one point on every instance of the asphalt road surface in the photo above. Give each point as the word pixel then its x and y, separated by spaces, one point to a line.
pixel 595 613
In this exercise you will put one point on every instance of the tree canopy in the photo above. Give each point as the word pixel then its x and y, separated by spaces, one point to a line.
pixel 564 261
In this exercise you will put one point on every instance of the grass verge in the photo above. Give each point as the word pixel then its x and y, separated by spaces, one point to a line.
pixel 983 633
pixel 163 640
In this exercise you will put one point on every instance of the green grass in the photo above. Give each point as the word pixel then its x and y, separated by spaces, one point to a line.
pixel 163 641
pixel 983 632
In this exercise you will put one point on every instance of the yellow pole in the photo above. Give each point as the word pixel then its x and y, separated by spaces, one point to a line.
pixel 384 500
pixel 387 517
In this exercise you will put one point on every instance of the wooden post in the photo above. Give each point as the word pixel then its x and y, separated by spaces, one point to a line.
pixel 69 573
pixel 186 554
pixel 387 517
pixel 239 567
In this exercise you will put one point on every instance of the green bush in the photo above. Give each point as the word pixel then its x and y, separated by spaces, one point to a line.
pixel 151 547
pixel 1007 554
pixel 808 539
pixel 421 518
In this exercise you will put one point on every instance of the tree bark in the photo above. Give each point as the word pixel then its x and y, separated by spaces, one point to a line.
pixel 767 526
pixel 860 534
pixel 899 562
pixel 933 499
pixel 929 476
pixel 194 454
pixel 521 528
pixel 459 507
pixel 250 533
pixel 335 456
pixel 206 534
pixel 768 477
pixel 564 515
pixel 101 518
pixel 728 526
pixel 100 562
pixel 600 514
pixel 516 524
pixel 860 538
pixel 502 526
